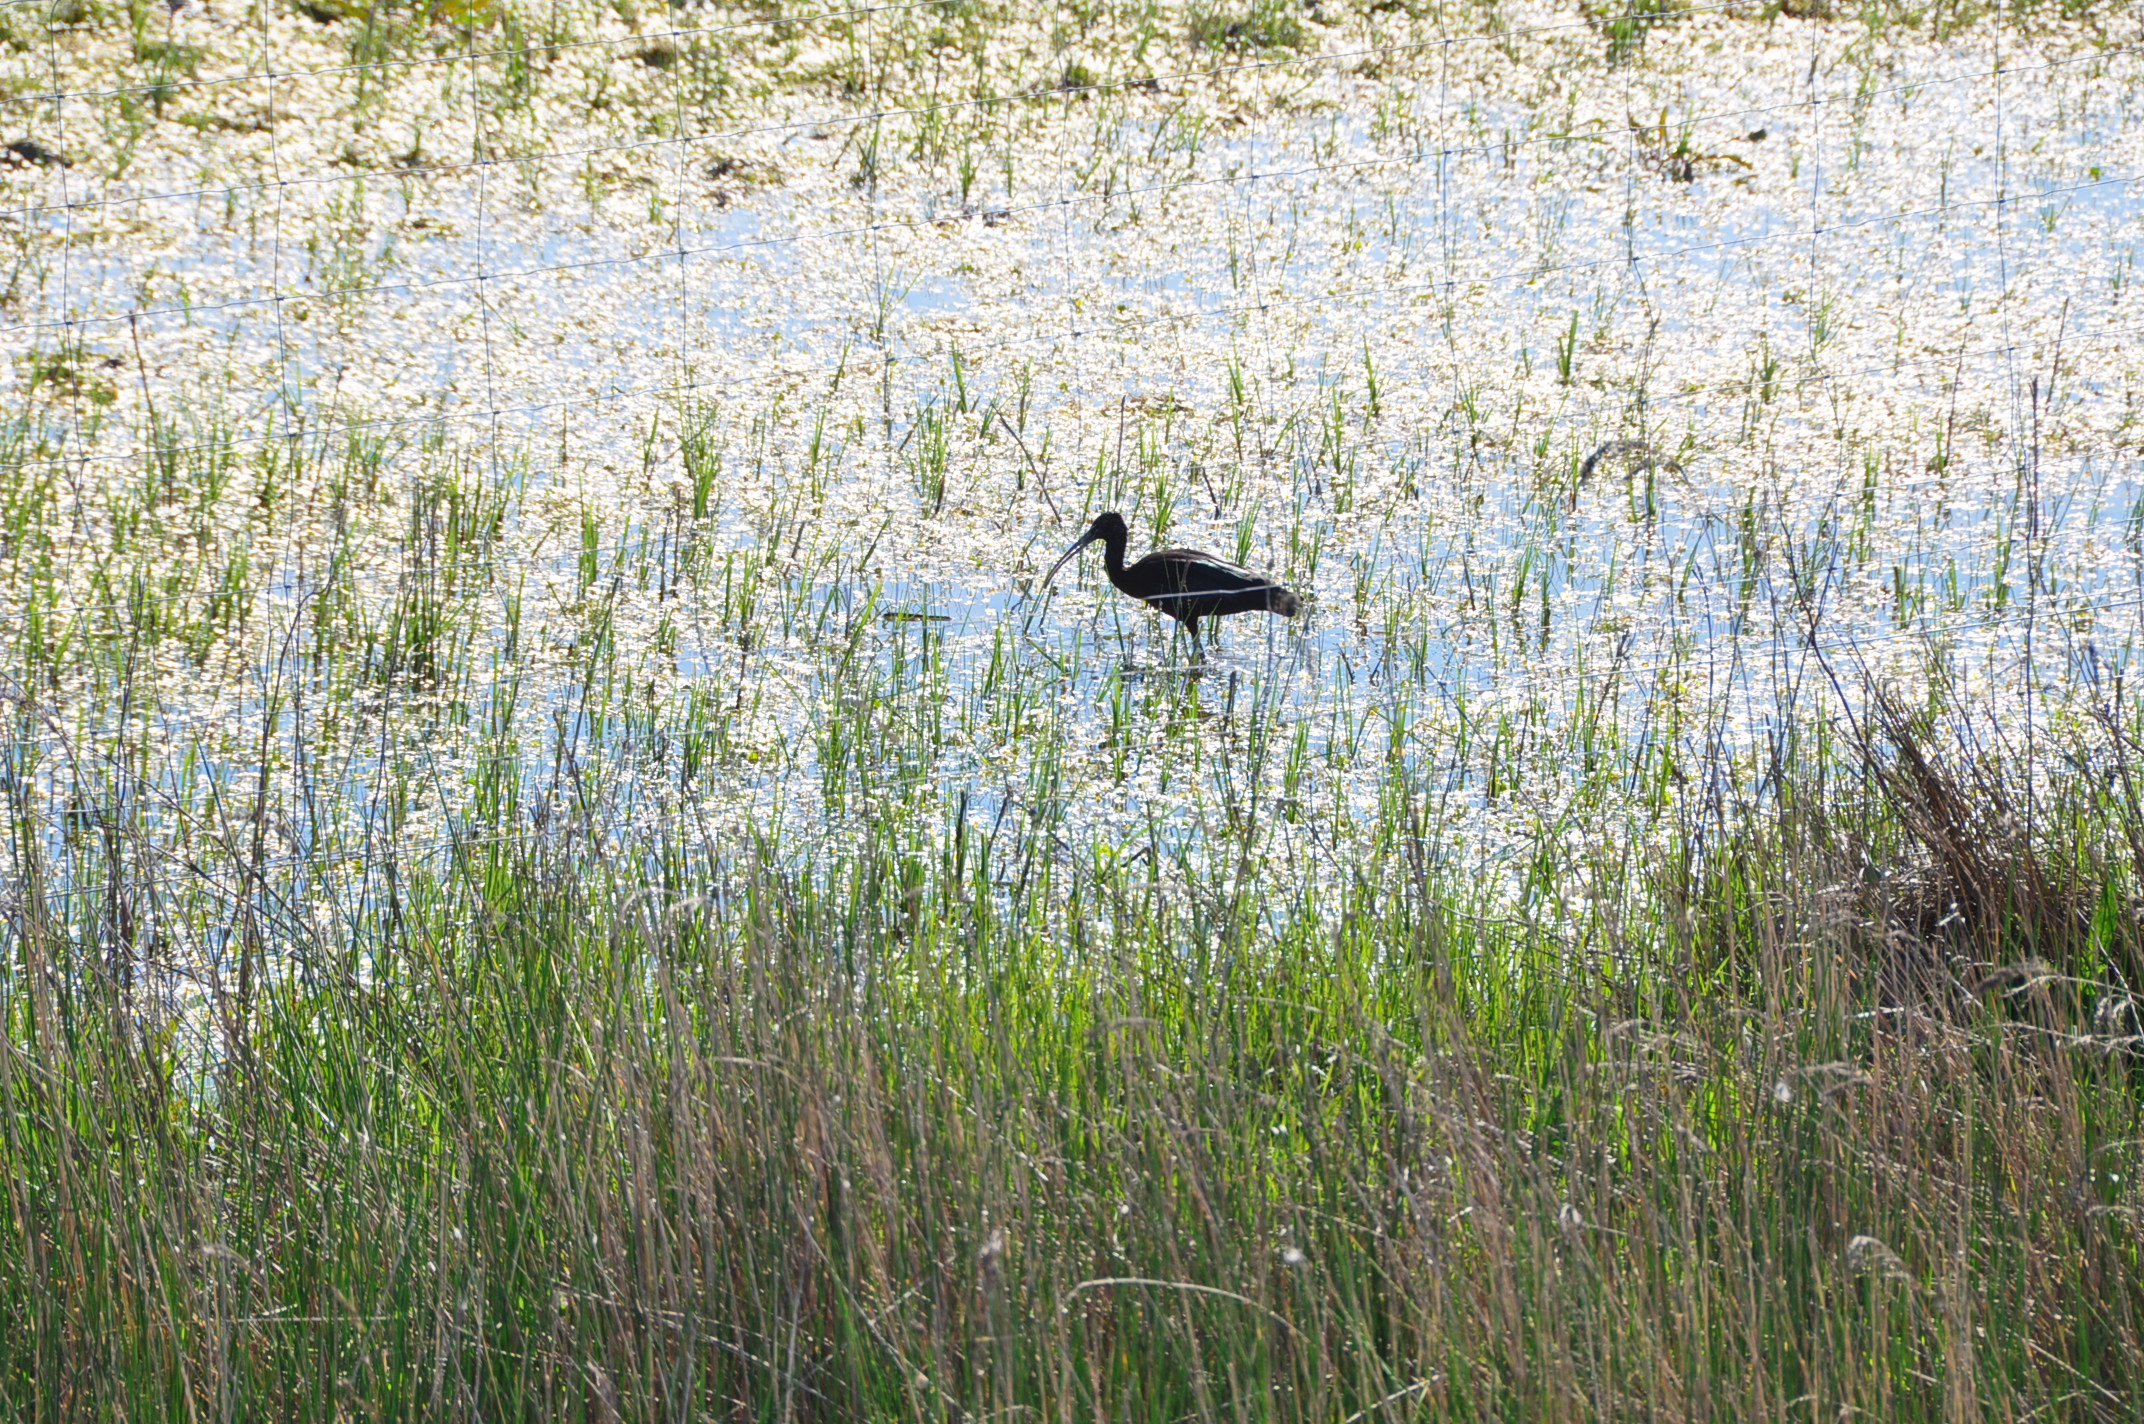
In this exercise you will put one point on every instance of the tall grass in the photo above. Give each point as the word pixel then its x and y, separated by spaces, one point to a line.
pixel 475 948
pixel 1835 1111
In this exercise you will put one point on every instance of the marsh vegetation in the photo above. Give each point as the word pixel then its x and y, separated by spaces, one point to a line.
pixel 562 863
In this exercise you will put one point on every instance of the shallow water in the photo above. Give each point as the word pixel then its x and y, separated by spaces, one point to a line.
pixel 1844 334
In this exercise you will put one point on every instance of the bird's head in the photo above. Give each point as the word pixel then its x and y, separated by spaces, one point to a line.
pixel 1107 528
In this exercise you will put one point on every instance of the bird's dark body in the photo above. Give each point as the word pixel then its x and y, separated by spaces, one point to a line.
pixel 1186 584
pixel 1189 584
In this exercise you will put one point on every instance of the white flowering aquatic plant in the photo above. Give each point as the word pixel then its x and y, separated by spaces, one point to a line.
pixel 531 523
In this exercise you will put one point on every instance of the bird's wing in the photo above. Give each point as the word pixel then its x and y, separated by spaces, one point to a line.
pixel 1196 571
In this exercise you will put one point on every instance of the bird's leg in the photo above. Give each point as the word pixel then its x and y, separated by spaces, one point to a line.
pixel 1198 652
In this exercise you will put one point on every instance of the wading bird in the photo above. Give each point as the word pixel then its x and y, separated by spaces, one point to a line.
pixel 1186 584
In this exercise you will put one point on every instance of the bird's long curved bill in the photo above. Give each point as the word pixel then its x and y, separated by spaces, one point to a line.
pixel 1066 557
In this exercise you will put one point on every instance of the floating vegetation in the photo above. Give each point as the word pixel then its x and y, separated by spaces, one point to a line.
pixel 565 858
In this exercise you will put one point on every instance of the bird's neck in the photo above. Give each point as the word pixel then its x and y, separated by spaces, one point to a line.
pixel 1113 559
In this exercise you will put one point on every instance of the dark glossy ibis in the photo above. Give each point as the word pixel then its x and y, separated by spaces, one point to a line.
pixel 1186 584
